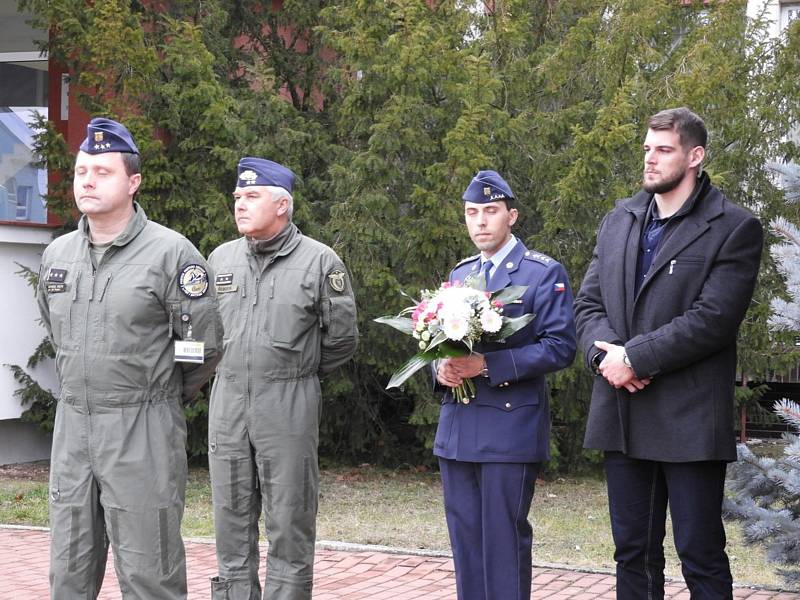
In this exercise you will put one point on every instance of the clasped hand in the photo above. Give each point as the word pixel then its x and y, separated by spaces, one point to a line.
pixel 615 371
pixel 453 371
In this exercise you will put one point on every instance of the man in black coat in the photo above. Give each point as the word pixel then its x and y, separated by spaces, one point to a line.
pixel 670 280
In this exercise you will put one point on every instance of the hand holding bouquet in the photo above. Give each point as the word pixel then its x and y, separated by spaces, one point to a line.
pixel 449 322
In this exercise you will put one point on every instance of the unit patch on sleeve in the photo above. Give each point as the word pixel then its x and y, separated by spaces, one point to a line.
pixel 56 281
pixel 224 283
pixel 193 281
pixel 336 279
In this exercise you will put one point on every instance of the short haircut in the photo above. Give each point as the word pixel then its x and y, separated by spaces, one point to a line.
pixel 132 162
pixel 277 193
pixel 690 127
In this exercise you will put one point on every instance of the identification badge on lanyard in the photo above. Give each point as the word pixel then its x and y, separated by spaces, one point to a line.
pixel 189 351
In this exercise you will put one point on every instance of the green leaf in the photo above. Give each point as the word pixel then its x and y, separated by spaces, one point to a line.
pixel 510 294
pixel 511 325
pixel 439 338
pixel 402 324
pixel 412 365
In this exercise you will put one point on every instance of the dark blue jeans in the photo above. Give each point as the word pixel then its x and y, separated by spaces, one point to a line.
pixel 638 494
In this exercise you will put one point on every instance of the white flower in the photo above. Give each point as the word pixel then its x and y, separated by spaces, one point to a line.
pixel 491 322
pixel 425 335
pixel 455 328
pixel 422 345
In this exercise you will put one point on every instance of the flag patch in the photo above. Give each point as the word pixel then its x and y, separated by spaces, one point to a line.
pixel 559 287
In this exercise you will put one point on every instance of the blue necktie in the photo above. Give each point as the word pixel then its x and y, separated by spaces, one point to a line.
pixel 485 268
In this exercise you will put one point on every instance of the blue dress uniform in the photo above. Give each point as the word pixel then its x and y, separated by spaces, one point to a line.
pixel 490 447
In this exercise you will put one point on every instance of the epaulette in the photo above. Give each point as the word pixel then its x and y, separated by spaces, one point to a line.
pixel 539 257
pixel 468 259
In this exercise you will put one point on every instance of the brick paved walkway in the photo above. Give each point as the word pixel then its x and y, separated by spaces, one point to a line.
pixel 339 575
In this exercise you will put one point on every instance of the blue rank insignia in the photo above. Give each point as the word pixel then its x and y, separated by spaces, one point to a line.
pixel 223 283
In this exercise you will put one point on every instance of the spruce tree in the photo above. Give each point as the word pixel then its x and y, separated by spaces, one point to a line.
pixel 764 491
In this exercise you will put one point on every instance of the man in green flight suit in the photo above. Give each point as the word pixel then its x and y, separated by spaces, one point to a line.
pixel 136 332
pixel 289 317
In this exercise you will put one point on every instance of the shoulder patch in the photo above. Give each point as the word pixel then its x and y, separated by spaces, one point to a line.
pixel 538 257
pixel 336 279
pixel 193 281
pixel 468 259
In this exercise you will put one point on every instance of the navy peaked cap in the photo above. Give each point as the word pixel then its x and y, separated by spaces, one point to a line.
pixel 106 135
pixel 487 186
pixel 260 171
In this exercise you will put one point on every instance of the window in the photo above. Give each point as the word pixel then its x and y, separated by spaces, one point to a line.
pixel 23 94
pixel 789 12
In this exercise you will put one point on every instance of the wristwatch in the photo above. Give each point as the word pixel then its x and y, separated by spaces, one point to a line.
pixel 596 360
pixel 626 361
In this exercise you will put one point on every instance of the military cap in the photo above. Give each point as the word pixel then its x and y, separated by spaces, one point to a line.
pixel 106 135
pixel 487 186
pixel 260 171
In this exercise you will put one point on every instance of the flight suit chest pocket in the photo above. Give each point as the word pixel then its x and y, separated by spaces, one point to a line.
pixel 231 287
pixel 63 301
pixel 291 311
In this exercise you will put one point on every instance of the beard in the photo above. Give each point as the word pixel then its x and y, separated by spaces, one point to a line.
pixel 665 185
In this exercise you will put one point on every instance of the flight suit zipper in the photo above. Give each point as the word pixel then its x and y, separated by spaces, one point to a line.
pixel 250 313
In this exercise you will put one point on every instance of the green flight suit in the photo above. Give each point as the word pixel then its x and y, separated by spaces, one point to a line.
pixel 287 320
pixel 118 467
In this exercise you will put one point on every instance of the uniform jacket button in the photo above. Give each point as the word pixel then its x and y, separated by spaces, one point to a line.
pixel 508 404
pixel 465 401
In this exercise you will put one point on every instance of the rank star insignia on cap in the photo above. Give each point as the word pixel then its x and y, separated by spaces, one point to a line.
pixel 260 171
pixel 487 186
pixel 106 135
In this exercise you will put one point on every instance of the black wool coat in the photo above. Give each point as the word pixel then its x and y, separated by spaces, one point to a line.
pixel 680 330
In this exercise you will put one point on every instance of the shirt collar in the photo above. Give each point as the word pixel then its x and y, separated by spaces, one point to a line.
pixel 498 257
pixel 686 207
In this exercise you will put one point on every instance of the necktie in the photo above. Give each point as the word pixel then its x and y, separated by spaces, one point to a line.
pixel 485 268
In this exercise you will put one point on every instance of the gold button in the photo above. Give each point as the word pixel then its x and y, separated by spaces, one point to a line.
pixel 465 401
pixel 508 404
pixel 509 265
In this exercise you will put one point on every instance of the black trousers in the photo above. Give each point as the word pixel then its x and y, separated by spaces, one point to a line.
pixel 638 494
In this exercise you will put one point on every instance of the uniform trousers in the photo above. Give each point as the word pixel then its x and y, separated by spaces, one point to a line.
pixel 486 507
pixel 263 459
pixel 638 494
pixel 118 475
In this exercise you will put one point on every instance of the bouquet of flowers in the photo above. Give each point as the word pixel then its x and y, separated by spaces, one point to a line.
pixel 449 321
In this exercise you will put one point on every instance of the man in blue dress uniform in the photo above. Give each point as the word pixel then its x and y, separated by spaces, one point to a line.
pixel 490 447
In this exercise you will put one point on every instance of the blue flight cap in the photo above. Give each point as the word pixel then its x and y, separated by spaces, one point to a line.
pixel 487 186
pixel 260 171
pixel 106 135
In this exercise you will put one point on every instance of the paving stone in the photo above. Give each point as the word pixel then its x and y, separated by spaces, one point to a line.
pixel 338 575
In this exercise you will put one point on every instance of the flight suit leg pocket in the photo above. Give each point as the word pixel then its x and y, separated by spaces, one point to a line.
pixel 149 541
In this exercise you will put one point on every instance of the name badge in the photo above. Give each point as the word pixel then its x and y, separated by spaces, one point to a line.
pixel 55 288
pixel 189 351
